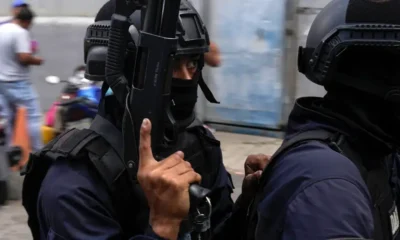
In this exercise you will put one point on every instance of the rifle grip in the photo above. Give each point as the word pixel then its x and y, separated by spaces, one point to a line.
pixel 117 45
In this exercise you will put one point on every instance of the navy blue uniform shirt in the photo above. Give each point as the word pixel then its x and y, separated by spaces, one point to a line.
pixel 74 203
pixel 320 193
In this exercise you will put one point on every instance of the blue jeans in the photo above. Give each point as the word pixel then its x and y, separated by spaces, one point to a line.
pixel 22 93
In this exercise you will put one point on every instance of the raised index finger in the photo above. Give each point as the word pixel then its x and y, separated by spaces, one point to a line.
pixel 145 153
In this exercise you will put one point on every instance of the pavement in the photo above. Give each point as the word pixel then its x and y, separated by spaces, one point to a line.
pixel 236 147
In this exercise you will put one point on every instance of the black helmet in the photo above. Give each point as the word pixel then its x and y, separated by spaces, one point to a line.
pixel 355 43
pixel 191 32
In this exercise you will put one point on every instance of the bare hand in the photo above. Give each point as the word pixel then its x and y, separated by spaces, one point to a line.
pixel 166 186
pixel 213 57
pixel 39 61
pixel 253 167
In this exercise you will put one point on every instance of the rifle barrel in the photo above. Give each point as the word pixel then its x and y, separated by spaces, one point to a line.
pixel 170 16
pixel 152 20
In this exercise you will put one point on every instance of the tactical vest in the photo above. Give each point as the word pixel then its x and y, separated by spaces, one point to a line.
pixel 373 171
pixel 129 201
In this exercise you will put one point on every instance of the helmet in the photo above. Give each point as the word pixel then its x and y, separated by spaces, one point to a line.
pixel 191 33
pixel 355 43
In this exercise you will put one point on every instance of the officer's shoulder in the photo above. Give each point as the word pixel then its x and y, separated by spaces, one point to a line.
pixel 71 178
pixel 197 123
pixel 209 132
pixel 315 160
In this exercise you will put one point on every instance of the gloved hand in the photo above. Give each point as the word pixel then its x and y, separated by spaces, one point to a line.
pixel 166 186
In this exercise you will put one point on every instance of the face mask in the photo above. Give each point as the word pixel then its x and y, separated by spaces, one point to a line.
pixel 183 97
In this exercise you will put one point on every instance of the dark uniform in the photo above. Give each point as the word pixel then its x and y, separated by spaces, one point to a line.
pixel 74 203
pixel 336 175
pixel 77 201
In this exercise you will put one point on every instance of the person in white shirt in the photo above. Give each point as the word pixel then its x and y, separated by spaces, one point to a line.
pixel 15 60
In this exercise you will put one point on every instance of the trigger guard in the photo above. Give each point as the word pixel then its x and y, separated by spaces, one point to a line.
pixel 197 194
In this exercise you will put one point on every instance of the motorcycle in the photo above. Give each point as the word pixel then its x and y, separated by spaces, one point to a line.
pixel 78 101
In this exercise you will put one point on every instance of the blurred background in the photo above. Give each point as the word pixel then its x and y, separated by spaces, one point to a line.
pixel 257 82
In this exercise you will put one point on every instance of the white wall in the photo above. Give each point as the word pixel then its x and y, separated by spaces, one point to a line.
pixel 81 8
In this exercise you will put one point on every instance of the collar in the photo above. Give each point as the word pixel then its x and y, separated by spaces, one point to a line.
pixel 311 112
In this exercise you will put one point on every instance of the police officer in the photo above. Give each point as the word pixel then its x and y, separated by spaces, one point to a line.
pixel 336 173
pixel 75 203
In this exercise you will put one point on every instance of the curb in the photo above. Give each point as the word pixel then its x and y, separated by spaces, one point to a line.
pixel 234 171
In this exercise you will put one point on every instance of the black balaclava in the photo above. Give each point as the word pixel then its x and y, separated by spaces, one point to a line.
pixel 184 94
pixel 368 113
pixel 184 97
pixel 379 66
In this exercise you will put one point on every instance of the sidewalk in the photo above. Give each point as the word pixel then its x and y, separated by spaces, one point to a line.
pixel 236 148
pixel 13 222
